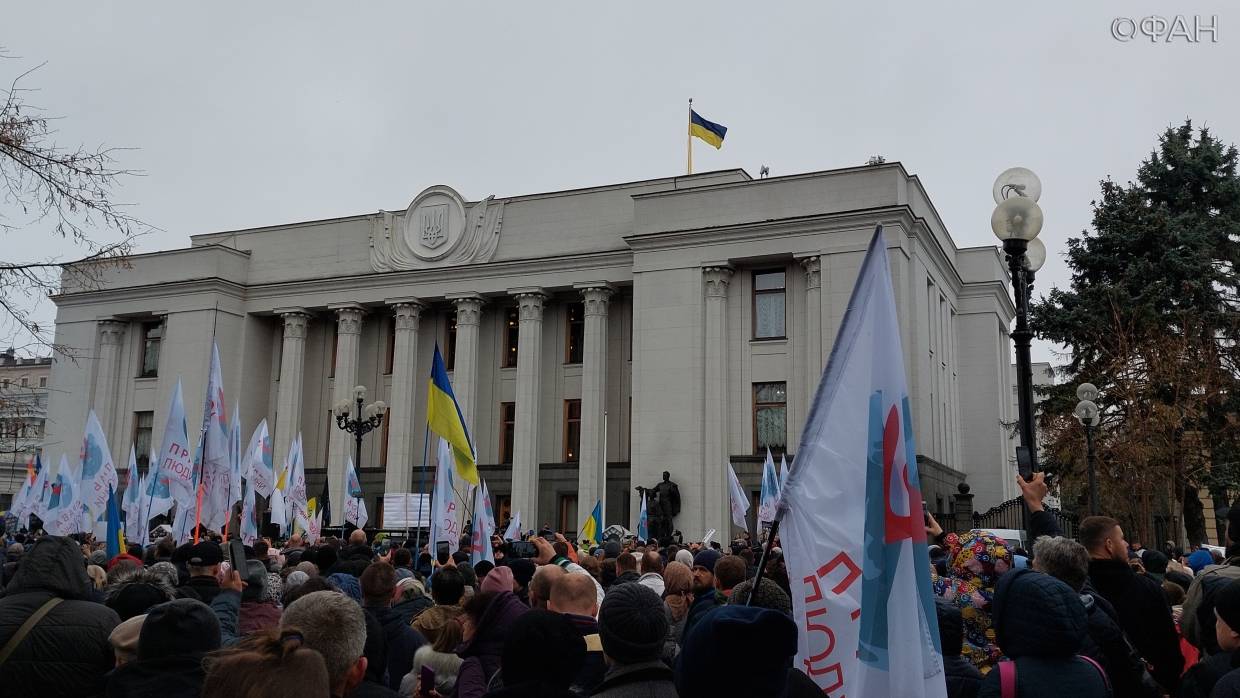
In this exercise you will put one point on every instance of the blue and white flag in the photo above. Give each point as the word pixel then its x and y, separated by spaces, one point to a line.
pixel 249 515
pixel 216 465
pixel 131 504
pixel 643 525
pixel 738 501
pixel 783 473
pixel 175 461
pixel 480 543
pixel 513 532
pixel 235 462
pixel 445 526
pixel 852 530
pixel 770 491
pixel 97 469
pixel 354 506
pixel 258 466
pixel 65 510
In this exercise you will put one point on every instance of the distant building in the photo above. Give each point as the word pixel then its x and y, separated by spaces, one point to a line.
pixel 595 337
pixel 23 413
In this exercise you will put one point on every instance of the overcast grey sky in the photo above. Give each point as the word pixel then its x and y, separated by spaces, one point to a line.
pixel 247 114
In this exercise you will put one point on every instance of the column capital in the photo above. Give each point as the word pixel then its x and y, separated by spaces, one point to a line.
pixel 407 311
pixel 295 321
pixel 595 297
pixel 530 302
pixel 717 277
pixel 813 271
pixel 468 307
pixel 111 331
pixel 348 317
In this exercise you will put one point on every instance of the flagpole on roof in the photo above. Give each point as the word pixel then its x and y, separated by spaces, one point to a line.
pixel 689 139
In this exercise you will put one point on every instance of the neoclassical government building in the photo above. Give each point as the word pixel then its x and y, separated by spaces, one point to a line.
pixel 595 337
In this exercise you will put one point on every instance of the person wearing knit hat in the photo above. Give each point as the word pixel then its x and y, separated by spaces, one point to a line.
pixel 705 596
pixel 122 557
pixel 99 557
pixel 522 572
pixel 759 641
pixel 134 596
pixel 348 585
pixel 124 639
pixel 685 558
pixel 632 624
pixel 769 596
pixel 498 579
pixel 174 638
pixel 541 656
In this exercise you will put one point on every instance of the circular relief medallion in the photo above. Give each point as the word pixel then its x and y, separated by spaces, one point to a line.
pixel 434 222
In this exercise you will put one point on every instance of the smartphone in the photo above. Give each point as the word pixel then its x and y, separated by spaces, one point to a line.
pixel 236 557
pixel 426 681
pixel 523 548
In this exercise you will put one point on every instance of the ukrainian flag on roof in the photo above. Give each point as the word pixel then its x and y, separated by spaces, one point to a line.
pixel 443 416
pixel 708 131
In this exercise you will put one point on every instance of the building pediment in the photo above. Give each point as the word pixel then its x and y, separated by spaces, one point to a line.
pixel 439 229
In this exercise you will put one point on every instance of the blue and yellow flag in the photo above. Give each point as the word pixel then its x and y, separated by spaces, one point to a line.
pixel 708 131
pixel 592 529
pixel 116 534
pixel 444 417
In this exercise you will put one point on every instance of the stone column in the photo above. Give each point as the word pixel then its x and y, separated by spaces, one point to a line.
pixel 591 470
pixel 107 372
pixel 465 364
pixel 715 446
pixel 406 381
pixel 292 373
pixel 815 361
pixel 529 380
pixel 342 443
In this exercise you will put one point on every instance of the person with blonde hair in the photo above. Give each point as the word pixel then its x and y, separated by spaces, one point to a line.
pixel 264 666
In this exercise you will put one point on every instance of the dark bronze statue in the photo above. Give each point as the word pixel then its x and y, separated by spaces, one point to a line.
pixel 662 507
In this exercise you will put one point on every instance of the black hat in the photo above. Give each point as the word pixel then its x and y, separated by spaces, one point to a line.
pixel 632 623
pixel 760 640
pixel 1227 605
pixel 176 628
pixel 255 577
pixel 132 599
pixel 543 649
pixel 205 554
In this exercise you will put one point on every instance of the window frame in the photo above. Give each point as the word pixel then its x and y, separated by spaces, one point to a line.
pixel 390 359
pixel 510 337
pixel 759 448
pixel 143 453
pixel 572 455
pixel 147 327
pixel 753 301
pixel 569 325
pixel 505 424
pixel 449 359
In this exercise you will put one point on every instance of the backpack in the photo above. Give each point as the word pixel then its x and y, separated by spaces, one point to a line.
pixel 1007 676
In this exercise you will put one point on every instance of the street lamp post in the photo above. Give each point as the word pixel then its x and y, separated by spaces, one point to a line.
pixel 1016 221
pixel 368 418
pixel 1088 414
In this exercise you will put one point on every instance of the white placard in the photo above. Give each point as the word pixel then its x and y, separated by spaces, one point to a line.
pixel 401 510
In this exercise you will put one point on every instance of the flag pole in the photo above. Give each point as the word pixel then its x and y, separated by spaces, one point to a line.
pixel 603 510
pixel 689 139
pixel 426 442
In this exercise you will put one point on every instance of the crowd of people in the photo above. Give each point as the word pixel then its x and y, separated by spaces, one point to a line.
pixel 364 618
pixel 1087 617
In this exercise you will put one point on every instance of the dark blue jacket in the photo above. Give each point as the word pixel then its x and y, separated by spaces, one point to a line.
pixel 1040 624
pixel 402 643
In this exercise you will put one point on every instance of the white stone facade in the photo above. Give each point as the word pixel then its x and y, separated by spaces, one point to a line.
pixel 633 307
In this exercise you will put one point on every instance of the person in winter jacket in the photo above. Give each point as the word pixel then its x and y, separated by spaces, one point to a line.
pixel 410 599
pixel 626 569
pixel 443 635
pixel 963 679
pixel 758 642
pixel 335 627
pixel 1040 624
pixel 1068 561
pixel 258 611
pixel 976 561
pixel 632 624
pixel 484 627
pixel 1205 678
pixel 174 639
pixel 542 655
pixel 378 588
pixel 1197 615
pixel 573 597
pixel 204 567
pixel 705 596
pixel 67 653
pixel 1139 602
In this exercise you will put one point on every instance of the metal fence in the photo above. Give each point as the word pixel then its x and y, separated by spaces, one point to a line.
pixel 1010 514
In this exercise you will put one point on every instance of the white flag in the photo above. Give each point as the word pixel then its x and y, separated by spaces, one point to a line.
pixel 852 533
pixel 131 504
pixel 279 515
pixel 770 491
pixel 355 511
pixel 40 493
pixel 98 470
pixel 234 459
pixel 480 545
pixel 444 524
pixel 314 527
pixel 258 461
pixel 216 468
pixel 514 528
pixel 295 495
pixel 21 506
pixel 157 493
pixel 175 461
pixel 65 510
pixel 783 473
pixel 737 500
pixel 249 515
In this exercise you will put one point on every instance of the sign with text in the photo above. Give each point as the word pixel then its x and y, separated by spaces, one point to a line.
pixel 406 510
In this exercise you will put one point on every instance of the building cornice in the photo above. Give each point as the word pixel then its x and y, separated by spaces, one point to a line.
pixel 212 284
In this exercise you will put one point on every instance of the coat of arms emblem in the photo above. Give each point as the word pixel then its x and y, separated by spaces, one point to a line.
pixel 433 224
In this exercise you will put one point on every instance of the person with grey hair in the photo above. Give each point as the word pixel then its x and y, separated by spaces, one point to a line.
pixel 1068 561
pixel 332 624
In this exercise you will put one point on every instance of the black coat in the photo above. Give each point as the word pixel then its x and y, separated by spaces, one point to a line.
pixel 1040 624
pixel 402 643
pixel 166 677
pixel 1200 680
pixel 205 589
pixel 1145 616
pixel 1107 645
pixel 67 653
pixel 963 679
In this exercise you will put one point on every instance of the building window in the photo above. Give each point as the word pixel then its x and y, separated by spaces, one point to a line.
pixel 152 335
pixel 768 305
pixel 770 417
pixel 331 370
pixel 391 347
pixel 568 513
pixel 25 382
pixel 43 381
pixel 6 384
pixel 387 426
pixel 572 431
pixel 449 359
pixel 512 329
pixel 576 338
pixel 507 430
pixel 143 424
pixel 503 511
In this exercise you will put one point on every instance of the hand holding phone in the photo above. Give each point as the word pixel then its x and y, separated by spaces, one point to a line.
pixel 426 682
pixel 236 557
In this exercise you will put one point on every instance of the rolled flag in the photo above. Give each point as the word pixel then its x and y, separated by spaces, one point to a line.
pixel 480 542
pixel 40 494
pixel 216 466
pixel 770 491
pixel 352 487
pixel 513 531
pixel 258 461
pixel 132 502
pixel 116 536
pixel 249 515
pixel 444 524
pixel 737 501
pixel 97 469
pixel 643 528
pixel 234 459
pixel 850 519
pixel 783 472
pixel 175 458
